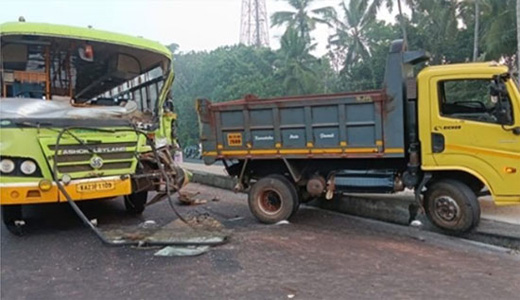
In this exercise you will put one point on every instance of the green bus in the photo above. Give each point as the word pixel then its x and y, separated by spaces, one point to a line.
pixel 84 114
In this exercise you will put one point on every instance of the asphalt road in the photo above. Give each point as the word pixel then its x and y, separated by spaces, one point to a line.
pixel 319 255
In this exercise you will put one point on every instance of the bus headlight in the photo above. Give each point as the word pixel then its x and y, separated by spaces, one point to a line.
pixel 28 167
pixel 6 165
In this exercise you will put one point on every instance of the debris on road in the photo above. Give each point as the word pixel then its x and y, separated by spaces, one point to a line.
pixel 416 223
pixel 148 224
pixel 282 222
pixel 204 221
pixel 182 251
pixel 200 228
pixel 237 218
pixel 188 198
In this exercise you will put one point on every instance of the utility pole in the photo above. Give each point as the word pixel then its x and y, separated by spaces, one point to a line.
pixel 403 26
pixel 476 29
pixel 518 37
pixel 254 29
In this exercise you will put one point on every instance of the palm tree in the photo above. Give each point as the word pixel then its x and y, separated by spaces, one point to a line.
pixel 295 64
pixel 350 36
pixel 303 19
pixel 499 38
pixel 475 30
pixel 470 12
pixel 518 37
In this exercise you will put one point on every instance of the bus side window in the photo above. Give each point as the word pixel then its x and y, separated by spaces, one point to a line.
pixel 145 100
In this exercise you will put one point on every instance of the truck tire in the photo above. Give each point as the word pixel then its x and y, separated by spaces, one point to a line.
pixel 135 203
pixel 452 206
pixel 273 199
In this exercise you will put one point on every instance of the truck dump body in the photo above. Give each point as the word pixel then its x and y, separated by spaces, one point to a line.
pixel 369 124
pixel 340 125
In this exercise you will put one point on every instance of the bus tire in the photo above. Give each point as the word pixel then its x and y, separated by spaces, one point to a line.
pixel 11 215
pixel 135 203
pixel 273 199
pixel 452 206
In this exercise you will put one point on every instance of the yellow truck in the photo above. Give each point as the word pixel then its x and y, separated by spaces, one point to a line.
pixel 447 133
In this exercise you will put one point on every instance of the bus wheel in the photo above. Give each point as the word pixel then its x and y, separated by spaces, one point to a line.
pixel 452 206
pixel 12 218
pixel 135 203
pixel 273 199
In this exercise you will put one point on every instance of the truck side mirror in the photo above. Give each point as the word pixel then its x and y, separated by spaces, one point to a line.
pixel 503 112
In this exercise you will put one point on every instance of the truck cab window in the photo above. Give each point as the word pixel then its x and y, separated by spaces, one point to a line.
pixel 470 99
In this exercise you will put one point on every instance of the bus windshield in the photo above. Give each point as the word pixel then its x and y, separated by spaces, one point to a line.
pixel 80 72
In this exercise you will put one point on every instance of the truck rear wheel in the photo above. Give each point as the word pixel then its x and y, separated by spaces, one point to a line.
pixel 452 206
pixel 135 203
pixel 273 199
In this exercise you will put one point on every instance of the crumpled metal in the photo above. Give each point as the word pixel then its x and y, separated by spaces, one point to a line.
pixel 23 108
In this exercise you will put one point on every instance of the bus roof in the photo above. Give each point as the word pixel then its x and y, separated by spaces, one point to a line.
pixel 73 32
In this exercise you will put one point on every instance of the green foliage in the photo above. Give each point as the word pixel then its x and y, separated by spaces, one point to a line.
pixel 303 19
pixel 357 51
pixel 223 74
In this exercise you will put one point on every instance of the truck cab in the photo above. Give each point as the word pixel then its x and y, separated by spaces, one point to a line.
pixel 470 126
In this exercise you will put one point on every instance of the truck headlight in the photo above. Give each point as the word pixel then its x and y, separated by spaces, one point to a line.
pixel 6 165
pixel 28 167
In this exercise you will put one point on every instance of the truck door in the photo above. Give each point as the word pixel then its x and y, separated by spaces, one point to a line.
pixel 467 135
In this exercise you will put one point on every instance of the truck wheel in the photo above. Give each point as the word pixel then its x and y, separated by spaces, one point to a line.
pixel 135 203
pixel 452 206
pixel 11 216
pixel 273 199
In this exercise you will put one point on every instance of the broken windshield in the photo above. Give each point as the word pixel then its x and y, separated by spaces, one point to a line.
pixel 81 72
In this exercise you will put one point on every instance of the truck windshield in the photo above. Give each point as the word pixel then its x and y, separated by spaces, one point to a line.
pixel 79 72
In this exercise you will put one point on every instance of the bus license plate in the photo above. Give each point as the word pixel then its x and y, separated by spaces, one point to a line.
pixel 95 186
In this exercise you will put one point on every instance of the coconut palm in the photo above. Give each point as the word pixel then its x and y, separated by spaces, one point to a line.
pixel 294 67
pixel 303 19
pixel 475 30
pixel 518 36
pixel 498 24
pixel 350 36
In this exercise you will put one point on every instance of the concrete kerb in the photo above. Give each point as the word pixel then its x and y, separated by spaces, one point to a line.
pixel 384 208
pixel 215 180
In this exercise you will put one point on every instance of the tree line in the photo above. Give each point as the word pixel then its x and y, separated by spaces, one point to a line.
pixel 452 31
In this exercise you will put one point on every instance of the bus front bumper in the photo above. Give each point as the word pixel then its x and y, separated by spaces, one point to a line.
pixel 79 189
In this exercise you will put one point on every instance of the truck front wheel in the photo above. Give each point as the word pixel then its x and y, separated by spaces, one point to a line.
pixel 273 199
pixel 452 206
pixel 135 203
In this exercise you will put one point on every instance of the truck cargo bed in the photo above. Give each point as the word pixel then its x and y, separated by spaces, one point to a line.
pixel 368 124
pixel 322 126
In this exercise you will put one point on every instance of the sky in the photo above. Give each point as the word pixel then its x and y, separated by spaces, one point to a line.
pixel 193 24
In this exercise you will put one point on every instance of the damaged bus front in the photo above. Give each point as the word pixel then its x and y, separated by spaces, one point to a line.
pixel 84 114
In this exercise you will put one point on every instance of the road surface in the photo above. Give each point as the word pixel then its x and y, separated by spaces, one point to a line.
pixel 319 255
